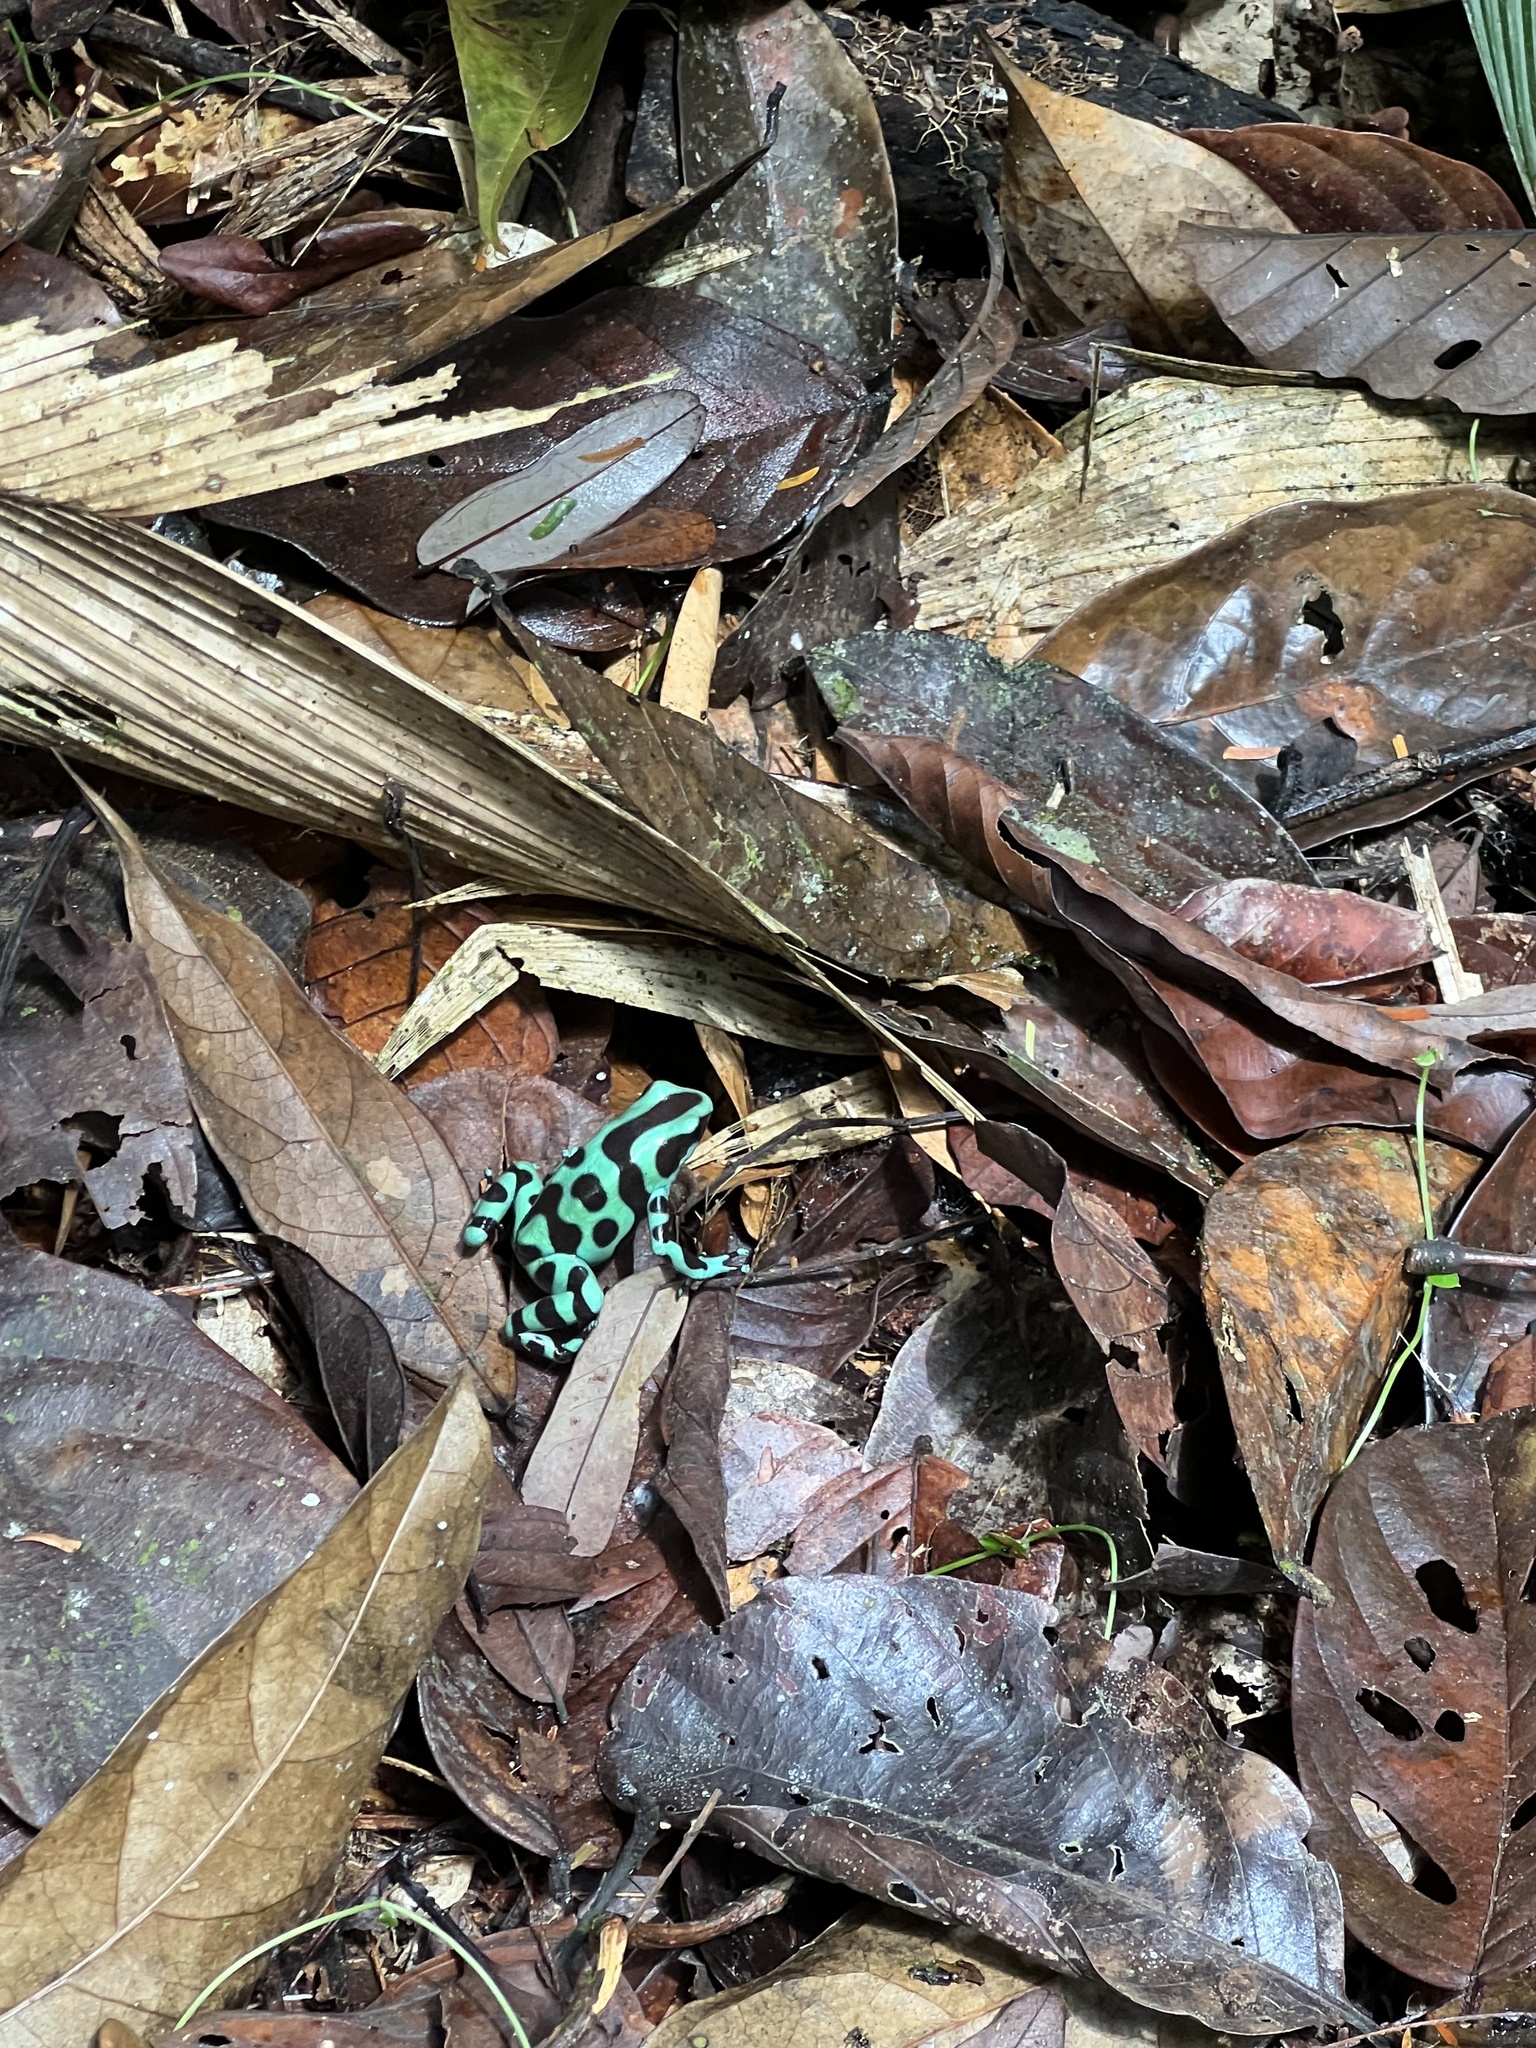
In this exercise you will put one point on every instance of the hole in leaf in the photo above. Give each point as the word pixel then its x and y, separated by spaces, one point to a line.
pixel 799 1799
pixel 1412 1863
pixel 1451 1727
pixel 1394 1718
pixel 437 462
pixel 1116 1862
pixel 933 1711
pixel 821 1667
pixel 1528 1590
pixel 1319 612
pixel 1070 1848
pixel 393 277
pixel 1293 1399
pixel 1338 277
pixel 337 483
pixel 902 1893
pixel 1458 353
pixel 1237 1941
pixel 129 1044
pixel 1523 1814
pixel 1421 1651
pixel 1447 1600
pixel 1431 1881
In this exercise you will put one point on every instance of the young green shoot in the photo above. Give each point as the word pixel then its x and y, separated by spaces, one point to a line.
pixel 1425 1062
pixel 390 1911
pixel 999 1544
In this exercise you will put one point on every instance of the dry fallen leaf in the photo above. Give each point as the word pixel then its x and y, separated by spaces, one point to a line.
pixel 219 1819
pixel 326 1154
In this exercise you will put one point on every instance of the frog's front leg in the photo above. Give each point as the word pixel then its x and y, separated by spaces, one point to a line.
pixel 666 1244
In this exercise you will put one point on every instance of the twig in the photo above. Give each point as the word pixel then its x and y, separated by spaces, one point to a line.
pixel 394 825
pixel 823 1269
pixel 1394 778
pixel 759 1905
pixel 1456 984
pixel 1428 2019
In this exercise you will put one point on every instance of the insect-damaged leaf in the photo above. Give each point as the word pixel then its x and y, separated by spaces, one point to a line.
pixel 528 68
pixel 220 1818
pixel 1414 615
pixel 201 1491
pixel 1097 780
pixel 325 1152
pixel 827 879
pixel 1304 1284
pixel 585 483
pixel 1411 1700
pixel 854 1729
pixel 1412 316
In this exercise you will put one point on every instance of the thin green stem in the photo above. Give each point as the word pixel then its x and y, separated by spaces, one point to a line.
pixel 1000 1545
pixel 389 1911
pixel 263 80
pixel 1477 476
pixel 26 63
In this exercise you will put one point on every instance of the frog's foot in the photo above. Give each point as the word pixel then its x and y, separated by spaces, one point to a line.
pixel 665 1244
pixel 553 1327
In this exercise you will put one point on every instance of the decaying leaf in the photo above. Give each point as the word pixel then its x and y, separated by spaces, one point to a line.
pixel 693 1399
pixel 325 1152
pixel 1409 1700
pixel 828 880
pixel 851 1728
pixel 220 1818
pixel 199 428
pixel 1091 200
pixel 1123 1299
pixel 1304 1284
pixel 656 971
pixel 202 1491
pixel 1173 465
pixel 1344 613
pixel 889 1978
pixel 582 1461
pixel 1412 316
pixel 1096 779
pixel 1471 1325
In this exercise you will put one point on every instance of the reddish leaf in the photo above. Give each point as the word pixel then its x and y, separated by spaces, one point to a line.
pixel 1411 1700
pixel 1329 938
pixel 1123 1299
pixel 1471 1324
pixel 235 270
pixel 1330 178
pixel 848 1512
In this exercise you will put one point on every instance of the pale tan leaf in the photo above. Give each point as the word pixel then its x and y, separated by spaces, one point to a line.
pixel 1175 462
pixel 187 430
pixel 582 1461
pixel 656 971
pixel 326 1154
pixel 220 1818
pixel 833 1118
pixel 691 657
pixel 1091 202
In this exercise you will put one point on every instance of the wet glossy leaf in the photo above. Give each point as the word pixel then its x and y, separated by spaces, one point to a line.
pixel 1328 938
pixel 1305 1289
pixel 1409 1699
pixel 528 68
pixel 1350 613
pixel 325 1152
pixel 1094 778
pixel 778 412
pixel 1330 178
pixel 354 1358
pixel 221 1818
pixel 1411 316
pixel 203 1489
pixel 583 485
pixel 815 220
pixel 841 1775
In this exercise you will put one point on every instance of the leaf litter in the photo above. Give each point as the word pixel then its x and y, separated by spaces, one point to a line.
pixel 809 602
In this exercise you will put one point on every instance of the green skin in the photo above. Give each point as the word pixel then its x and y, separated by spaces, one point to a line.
pixel 576 1220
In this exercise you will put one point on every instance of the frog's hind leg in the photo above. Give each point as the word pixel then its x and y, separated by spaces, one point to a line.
pixel 554 1325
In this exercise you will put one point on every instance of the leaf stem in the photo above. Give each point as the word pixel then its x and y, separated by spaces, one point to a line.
pixel 389 1910
pixel 1000 1544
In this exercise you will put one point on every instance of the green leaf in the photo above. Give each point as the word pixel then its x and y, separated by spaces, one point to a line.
pixel 1505 34
pixel 528 68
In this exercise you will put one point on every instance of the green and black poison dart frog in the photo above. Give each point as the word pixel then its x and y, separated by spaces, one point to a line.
pixel 576 1219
